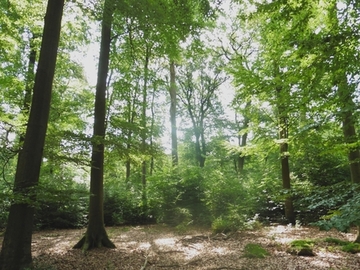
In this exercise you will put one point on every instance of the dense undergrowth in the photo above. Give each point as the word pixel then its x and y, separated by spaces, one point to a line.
pixel 222 200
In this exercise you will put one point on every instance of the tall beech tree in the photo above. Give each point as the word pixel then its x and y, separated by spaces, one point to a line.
pixel 16 247
pixel 96 235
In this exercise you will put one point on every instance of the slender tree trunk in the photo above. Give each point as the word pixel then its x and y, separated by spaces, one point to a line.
pixel 96 235
pixel 285 170
pixel 203 147
pixel 242 139
pixel 172 90
pixel 144 130
pixel 16 246
pixel 152 130
pixel 348 124
pixel 198 151
pixel 131 118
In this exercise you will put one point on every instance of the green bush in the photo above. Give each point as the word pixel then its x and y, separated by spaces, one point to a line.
pixel 62 209
pixel 344 212
pixel 123 206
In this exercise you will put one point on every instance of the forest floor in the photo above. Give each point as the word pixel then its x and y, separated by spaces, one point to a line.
pixel 161 247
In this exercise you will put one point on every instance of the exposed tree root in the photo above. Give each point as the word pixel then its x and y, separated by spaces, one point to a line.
pixel 90 241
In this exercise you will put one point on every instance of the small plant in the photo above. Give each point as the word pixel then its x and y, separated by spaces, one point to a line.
pixel 255 251
pixel 302 247
pixel 346 245
pixel 222 225
pixel 335 241
pixel 351 248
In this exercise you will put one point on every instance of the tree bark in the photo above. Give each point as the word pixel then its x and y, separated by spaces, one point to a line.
pixel 144 128
pixel 172 90
pixel 284 152
pixel 242 139
pixel 348 107
pixel 285 170
pixel 96 235
pixel 29 84
pixel 16 246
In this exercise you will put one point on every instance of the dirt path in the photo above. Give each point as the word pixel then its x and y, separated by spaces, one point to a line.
pixel 160 247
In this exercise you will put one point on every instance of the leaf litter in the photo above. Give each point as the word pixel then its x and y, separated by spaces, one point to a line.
pixel 156 247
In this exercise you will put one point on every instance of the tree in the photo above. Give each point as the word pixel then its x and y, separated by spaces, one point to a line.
pixel 198 96
pixel 96 235
pixel 16 247
pixel 173 101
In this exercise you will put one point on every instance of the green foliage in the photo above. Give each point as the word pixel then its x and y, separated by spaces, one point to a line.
pixel 351 248
pixel 344 212
pixel 336 241
pixel 345 245
pixel 61 207
pixel 255 251
pixel 123 206
pixel 302 247
pixel 317 202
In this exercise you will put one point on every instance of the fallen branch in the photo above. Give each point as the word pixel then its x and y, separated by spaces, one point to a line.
pixel 145 263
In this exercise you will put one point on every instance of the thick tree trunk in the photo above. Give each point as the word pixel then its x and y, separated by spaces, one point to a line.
pixel 95 235
pixel 29 84
pixel 16 247
pixel 172 90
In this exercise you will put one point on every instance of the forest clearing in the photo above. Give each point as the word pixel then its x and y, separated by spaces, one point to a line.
pixel 163 247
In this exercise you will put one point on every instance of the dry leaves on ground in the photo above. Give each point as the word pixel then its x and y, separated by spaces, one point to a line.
pixel 159 247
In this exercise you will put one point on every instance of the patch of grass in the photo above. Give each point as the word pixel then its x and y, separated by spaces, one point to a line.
pixel 255 251
pixel 346 246
pixel 302 247
pixel 336 241
pixel 351 248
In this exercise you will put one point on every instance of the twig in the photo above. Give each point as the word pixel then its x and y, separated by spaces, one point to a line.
pixel 145 263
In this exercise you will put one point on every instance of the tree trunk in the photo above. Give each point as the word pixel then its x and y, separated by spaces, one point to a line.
pixel 242 141
pixel 152 130
pixel 16 246
pixel 198 152
pixel 283 136
pixel 144 128
pixel 96 235
pixel 285 170
pixel 29 84
pixel 172 90
pixel 348 125
pixel 203 146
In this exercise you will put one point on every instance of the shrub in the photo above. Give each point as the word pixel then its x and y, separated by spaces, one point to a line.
pixel 61 209
pixel 123 206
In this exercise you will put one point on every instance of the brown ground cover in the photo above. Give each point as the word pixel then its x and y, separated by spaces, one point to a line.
pixel 161 247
